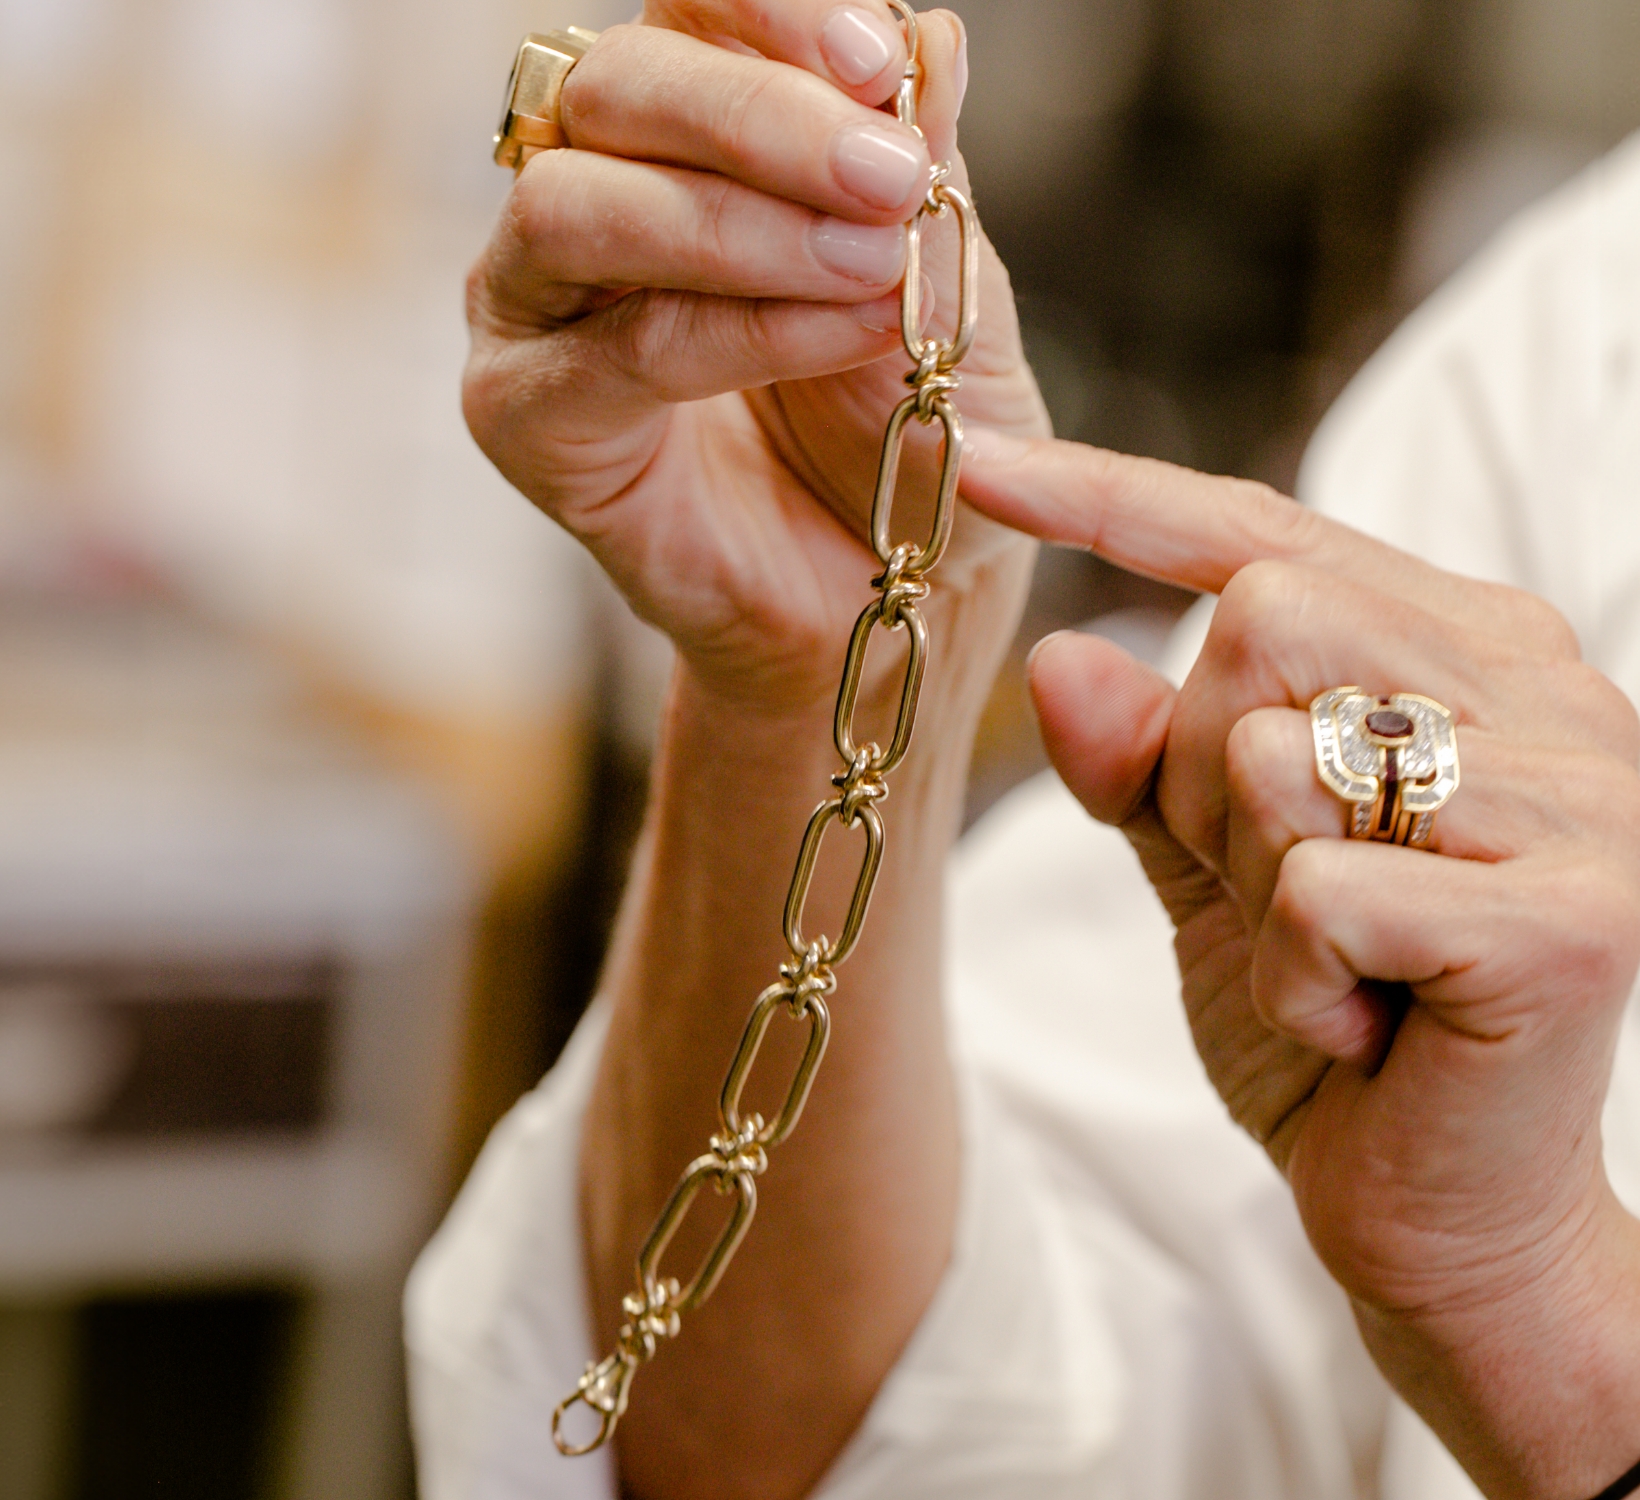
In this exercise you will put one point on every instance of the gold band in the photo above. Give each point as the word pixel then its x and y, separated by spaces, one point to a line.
pixel 1393 760
pixel 530 118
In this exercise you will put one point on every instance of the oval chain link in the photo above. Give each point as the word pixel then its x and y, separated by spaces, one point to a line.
pixel 738 1155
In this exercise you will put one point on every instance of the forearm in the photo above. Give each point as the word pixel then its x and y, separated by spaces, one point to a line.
pixel 1537 1392
pixel 856 1213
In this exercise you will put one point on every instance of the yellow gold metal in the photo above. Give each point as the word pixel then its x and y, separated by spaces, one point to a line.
pixel 808 856
pixel 888 473
pixel 1394 787
pixel 781 996
pixel 530 118
pixel 941 198
pixel 703 1169
pixel 738 1156
pixel 916 628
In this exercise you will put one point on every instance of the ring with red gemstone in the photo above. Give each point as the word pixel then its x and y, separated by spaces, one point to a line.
pixel 1393 760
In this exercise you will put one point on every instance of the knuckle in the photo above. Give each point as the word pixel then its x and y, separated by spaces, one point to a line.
pixel 640 332
pixel 1587 698
pixel 1533 622
pixel 586 94
pixel 743 122
pixel 480 392
pixel 1310 885
pixel 534 218
pixel 755 334
pixel 477 300
pixel 1617 722
pixel 716 211
pixel 1276 521
pixel 1258 759
pixel 1592 932
pixel 1260 607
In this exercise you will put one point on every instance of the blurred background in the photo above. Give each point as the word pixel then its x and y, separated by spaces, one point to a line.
pixel 321 753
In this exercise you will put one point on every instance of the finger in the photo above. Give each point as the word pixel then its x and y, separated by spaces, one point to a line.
pixel 1514 798
pixel 541 406
pixel 579 220
pixel 1104 719
pixel 1199 531
pixel 657 95
pixel 1489 951
pixel 1283 634
pixel 943 60
pixel 858 46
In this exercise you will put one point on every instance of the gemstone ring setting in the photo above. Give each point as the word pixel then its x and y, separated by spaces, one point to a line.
pixel 1393 759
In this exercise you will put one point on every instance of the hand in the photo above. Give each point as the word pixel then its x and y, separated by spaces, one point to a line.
pixel 685 330
pixel 1422 1040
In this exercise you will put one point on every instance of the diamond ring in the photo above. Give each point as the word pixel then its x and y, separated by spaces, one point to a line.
pixel 1394 760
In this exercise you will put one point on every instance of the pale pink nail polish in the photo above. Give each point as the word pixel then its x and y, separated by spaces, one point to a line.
pixel 857 45
pixel 959 70
pixel 879 165
pixel 883 315
pixel 880 316
pixel 870 253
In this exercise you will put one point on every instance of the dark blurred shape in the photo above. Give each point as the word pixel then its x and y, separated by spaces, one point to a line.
pixel 233 949
pixel 206 1050
pixel 178 1396
pixel 222 1066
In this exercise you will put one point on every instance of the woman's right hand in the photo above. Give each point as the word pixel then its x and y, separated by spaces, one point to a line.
pixel 685 330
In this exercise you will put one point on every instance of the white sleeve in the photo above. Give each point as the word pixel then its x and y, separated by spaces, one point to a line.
pixel 495 1313
pixel 1497 433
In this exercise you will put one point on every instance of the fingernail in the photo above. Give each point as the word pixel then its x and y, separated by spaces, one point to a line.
pixel 857 45
pixel 870 253
pixel 880 165
pixel 883 315
pixel 987 445
pixel 959 69
pixel 1031 655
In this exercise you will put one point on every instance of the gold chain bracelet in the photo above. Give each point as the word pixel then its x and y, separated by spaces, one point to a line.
pixel 738 1155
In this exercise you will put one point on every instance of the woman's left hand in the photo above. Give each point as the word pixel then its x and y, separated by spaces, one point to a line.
pixel 1422 1040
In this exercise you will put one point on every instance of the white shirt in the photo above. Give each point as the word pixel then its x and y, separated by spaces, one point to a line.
pixel 1131 1309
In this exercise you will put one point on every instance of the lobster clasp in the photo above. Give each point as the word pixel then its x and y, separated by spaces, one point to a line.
pixel 603 1389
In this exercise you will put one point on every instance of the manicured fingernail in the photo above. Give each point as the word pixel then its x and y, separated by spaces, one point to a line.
pixel 880 165
pixel 883 315
pixel 857 45
pixel 959 69
pixel 867 252
pixel 1036 650
pixel 987 445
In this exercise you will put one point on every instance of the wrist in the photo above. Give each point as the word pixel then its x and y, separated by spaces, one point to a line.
pixel 1536 1387
pixel 779 708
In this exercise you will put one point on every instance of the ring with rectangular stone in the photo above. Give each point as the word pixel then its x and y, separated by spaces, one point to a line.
pixel 530 119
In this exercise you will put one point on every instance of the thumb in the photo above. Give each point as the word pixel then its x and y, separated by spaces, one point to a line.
pixel 1105 717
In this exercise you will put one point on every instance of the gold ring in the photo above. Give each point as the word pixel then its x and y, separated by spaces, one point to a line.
pixel 1394 760
pixel 529 119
